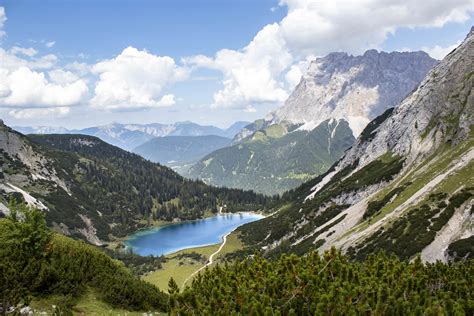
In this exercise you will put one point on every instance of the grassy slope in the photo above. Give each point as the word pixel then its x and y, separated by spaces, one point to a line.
pixel 273 161
pixel 88 304
pixel 173 269
pixel 436 164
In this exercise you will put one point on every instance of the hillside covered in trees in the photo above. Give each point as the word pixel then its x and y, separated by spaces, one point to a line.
pixel 96 191
pixel 37 263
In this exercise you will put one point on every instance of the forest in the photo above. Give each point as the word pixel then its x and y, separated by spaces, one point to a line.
pixel 128 190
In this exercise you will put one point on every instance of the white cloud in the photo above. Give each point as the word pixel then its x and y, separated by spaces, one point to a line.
pixel 135 79
pixel 27 88
pixel 166 100
pixel 439 52
pixel 62 77
pixel 30 92
pixel 250 74
pixel 269 67
pixel 11 61
pixel 250 109
pixel 39 112
pixel 30 52
pixel 50 44
pixel 293 76
pixel 3 19
pixel 323 26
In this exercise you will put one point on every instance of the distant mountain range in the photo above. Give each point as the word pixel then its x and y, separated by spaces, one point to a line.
pixel 130 136
pixel 334 101
pixel 95 191
pixel 180 152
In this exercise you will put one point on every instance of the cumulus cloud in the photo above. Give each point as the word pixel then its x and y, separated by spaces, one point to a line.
pixel 11 61
pixel 250 74
pixel 268 68
pixel 439 52
pixel 50 44
pixel 323 26
pixel 27 88
pixel 33 83
pixel 39 112
pixel 32 86
pixel 135 79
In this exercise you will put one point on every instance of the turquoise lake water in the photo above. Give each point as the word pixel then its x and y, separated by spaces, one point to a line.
pixel 190 234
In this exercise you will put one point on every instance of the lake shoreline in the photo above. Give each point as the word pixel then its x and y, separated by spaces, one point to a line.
pixel 142 234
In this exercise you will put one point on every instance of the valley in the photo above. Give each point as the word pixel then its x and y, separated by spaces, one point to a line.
pixel 200 171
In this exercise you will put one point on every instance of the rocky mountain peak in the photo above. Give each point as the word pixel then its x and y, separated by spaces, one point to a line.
pixel 353 88
pixel 440 110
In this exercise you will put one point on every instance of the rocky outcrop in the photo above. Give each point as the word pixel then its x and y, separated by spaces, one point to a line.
pixel 353 88
pixel 405 186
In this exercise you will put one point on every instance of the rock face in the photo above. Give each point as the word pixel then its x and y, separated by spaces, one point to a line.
pixel 406 186
pixel 353 88
pixel 346 90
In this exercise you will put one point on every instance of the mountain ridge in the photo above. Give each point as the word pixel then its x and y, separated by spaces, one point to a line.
pixel 92 190
pixel 180 151
pixel 339 88
pixel 130 136
pixel 405 186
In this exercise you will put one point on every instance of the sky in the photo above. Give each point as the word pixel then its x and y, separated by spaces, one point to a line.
pixel 83 63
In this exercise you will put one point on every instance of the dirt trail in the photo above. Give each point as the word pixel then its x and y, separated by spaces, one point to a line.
pixel 210 261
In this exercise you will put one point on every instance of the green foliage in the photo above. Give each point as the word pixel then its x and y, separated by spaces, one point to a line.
pixel 415 230
pixel 330 285
pixel 37 263
pixel 374 206
pixel 274 228
pixel 462 249
pixel 112 186
pixel 275 160
pixel 139 265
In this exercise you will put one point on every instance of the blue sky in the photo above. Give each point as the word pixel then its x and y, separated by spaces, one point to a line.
pixel 81 63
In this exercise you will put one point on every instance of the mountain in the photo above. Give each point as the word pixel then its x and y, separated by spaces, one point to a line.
pixel 130 136
pixel 406 186
pixel 273 160
pixel 179 151
pixel 295 142
pixel 95 191
pixel 353 88
pixel 235 128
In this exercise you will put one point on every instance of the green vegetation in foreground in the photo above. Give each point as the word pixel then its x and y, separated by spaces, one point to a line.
pixel 329 285
pixel 182 264
pixel 37 263
pixel 88 304
pixel 41 269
